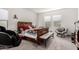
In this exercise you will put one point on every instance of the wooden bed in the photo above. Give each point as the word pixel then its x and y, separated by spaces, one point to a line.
pixel 39 31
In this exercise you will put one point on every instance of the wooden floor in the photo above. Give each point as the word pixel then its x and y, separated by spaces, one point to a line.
pixel 55 43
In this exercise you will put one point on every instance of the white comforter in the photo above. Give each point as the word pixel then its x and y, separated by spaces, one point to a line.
pixel 30 35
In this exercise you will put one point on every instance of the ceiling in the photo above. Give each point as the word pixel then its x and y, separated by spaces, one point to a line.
pixel 41 10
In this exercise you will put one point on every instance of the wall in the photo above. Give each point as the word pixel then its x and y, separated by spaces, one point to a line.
pixel 69 16
pixel 22 14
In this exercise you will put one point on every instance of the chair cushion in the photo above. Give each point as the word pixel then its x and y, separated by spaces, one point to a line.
pixel 2 29
pixel 16 40
pixel 5 39
pixel 61 29
pixel 9 38
pixel 14 37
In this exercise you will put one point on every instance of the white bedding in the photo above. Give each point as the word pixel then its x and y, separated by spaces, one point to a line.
pixel 30 35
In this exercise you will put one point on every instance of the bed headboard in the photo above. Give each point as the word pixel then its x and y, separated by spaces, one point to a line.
pixel 24 25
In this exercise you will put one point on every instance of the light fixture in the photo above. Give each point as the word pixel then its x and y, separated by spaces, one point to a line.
pixel 15 17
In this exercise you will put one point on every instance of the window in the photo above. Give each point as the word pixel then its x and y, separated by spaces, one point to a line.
pixel 3 18
pixel 57 20
pixel 47 20
pixel 3 14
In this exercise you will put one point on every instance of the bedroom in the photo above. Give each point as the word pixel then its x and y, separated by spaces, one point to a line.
pixel 42 20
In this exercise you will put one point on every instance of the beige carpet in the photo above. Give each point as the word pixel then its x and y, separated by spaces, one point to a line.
pixel 55 43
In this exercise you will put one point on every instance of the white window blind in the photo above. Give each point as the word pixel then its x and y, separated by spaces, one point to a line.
pixel 3 14
pixel 4 18
pixel 47 18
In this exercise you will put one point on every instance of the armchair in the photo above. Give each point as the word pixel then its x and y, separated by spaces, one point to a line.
pixel 61 32
pixel 8 37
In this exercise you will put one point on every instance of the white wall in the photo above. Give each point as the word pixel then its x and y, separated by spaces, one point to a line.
pixel 69 16
pixel 22 14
